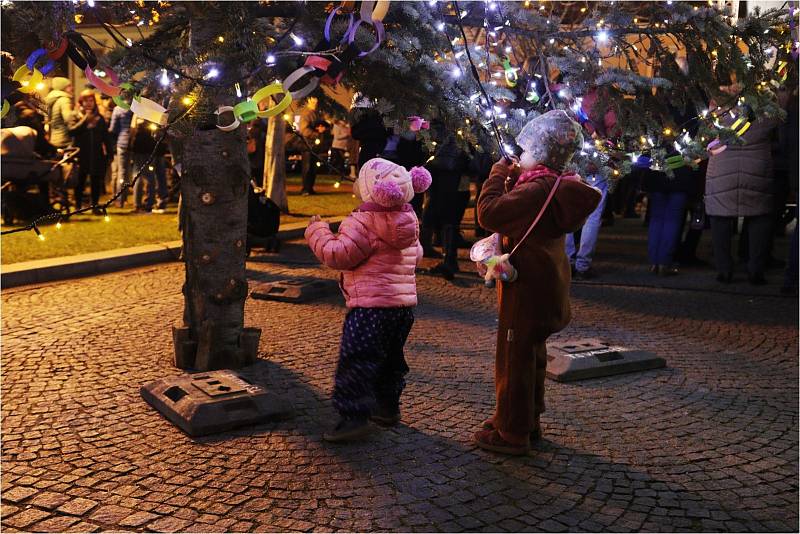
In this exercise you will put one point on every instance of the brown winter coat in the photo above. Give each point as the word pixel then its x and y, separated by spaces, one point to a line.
pixel 739 181
pixel 544 273
pixel 536 305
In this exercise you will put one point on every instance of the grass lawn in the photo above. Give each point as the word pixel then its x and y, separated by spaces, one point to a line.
pixel 89 233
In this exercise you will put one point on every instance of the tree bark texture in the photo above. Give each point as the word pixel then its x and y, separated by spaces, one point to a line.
pixel 214 187
pixel 275 163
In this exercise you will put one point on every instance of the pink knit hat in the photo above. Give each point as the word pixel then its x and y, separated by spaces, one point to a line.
pixel 390 184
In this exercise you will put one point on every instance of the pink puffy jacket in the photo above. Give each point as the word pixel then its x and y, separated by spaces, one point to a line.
pixel 377 249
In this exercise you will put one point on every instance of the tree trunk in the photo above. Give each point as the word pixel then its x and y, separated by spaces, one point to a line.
pixel 275 163
pixel 214 187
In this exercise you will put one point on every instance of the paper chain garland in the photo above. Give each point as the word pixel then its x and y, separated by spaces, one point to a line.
pixel 326 71
pixel 319 69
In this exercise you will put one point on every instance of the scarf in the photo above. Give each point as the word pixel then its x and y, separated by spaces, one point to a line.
pixel 541 171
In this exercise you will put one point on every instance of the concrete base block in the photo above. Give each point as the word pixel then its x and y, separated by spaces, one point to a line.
pixel 212 402
pixel 591 358
pixel 298 290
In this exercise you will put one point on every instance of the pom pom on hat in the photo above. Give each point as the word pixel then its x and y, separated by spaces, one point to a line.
pixel 420 179
pixel 387 193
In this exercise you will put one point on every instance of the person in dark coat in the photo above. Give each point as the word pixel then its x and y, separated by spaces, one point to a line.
pixel 667 197
pixel 90 133
pixel 366 127
pixel 536 304
pixel 447 167
pixel 411 153
pixel 480 167
pixel 739 183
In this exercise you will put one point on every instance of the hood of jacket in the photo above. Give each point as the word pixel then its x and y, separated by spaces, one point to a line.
pixel 573 203
pixel 52 96
pixel 396 226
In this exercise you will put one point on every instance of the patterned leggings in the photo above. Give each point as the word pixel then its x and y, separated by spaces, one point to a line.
pixel 371 366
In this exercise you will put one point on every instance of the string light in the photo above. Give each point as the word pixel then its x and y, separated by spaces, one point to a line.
pixel 58 225
pixel 39 234
pixel 164 78
pixel 455 72
pixel 440 26
pixel 213 73
pixel 106 218
pixel 270 59
pixel 602 36
pixel 297 39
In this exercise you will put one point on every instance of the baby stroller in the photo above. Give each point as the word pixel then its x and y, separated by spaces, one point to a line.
pixel 22 170
pixel 263 220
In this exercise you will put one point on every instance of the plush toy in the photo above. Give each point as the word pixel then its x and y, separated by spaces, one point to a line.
pixel 492 264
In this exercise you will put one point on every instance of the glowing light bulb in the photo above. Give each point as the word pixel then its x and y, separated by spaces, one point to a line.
pixel 270 59
pixel 39 86
pixel 164 78
pixel 221 39
pixel 602 36
pixel 316 141
pixel 58 225
pixel 440 26
pixel 186 100
pixel 456 72
pixel 319 164
pixel 91 3
pixel 287 117
pixel 106 218
pixel 297 39
pixel 336 185
pixel 213 73
pixel 41 236
pixel 492 6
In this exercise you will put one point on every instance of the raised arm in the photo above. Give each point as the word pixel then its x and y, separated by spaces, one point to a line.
pixel 508 213
pixel 343 251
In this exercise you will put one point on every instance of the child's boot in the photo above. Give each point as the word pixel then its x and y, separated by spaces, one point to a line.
pixel 348 430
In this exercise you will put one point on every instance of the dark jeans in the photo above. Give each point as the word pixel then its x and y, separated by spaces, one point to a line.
pixel 96 187
pixel 309 172
pixel 663 232
pixel 759 228
pixel 337 159
pixel 371 365
pixel 154 176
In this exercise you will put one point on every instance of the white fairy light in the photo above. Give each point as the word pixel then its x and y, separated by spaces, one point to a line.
pixel 508 49
pixel 270 59
pixel 128 42
pixel 492 6
pixel 602 36
pixel 455 72
pixel 552 40
pixel 164 78
pixel 297 39
pixel 440 26
pixel 213 73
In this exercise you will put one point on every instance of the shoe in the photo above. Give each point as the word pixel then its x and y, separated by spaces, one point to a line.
pixel 724 278
pixel 588 274
pixel 535 435
pixel 385 418
pixel 431 253
pixel 348 430
pixel 667 270
pixel 491 440
pixel 159 211
pixel 757 280
pixel 442 269
pixel 305 194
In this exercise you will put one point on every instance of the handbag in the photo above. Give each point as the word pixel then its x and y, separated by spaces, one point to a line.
pixel 488 255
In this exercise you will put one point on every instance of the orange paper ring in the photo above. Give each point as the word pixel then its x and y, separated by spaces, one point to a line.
pixel 102 86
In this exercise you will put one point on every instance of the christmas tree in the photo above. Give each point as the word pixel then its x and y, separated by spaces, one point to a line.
pixel 484 68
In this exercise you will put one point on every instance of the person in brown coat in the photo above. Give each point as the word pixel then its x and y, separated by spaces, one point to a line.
pixel 536 304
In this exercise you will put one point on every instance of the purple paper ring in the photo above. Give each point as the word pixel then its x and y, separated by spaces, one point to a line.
pixel 328 22
pixel 35 56
pixel 378 25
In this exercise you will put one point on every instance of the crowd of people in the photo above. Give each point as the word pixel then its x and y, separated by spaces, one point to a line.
pixel 113 144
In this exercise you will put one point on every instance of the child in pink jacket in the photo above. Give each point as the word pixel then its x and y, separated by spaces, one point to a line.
pixel 377 249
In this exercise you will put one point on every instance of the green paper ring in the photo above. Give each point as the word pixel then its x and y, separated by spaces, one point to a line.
pixel 246 111
pixel 118 99
pixel 268 91
pixel 6 107
pixel 675 162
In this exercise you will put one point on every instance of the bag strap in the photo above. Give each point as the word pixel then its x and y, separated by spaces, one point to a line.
pixel 539 216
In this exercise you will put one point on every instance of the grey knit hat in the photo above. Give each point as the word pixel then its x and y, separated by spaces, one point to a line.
pixel 552 139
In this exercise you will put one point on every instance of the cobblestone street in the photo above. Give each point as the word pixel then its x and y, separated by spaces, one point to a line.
pixel 710 443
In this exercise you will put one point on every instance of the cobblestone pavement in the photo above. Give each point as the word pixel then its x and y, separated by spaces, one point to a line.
pixel 709 443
